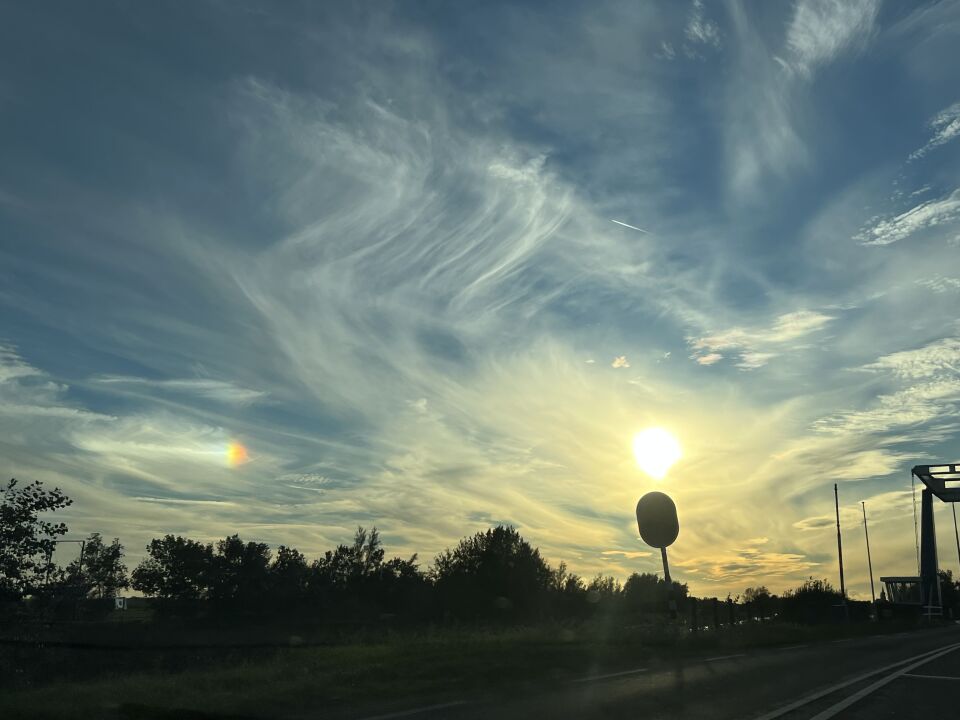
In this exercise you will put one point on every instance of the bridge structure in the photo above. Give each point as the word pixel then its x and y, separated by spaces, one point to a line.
pixel 942 482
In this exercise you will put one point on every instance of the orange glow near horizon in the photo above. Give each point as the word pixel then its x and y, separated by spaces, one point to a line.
pixel 237 454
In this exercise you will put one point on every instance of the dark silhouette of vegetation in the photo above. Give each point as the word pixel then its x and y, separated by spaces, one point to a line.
pixel 176 570
pixel 812 601
pixel 27 542
pixel 100 572
pixel 494 576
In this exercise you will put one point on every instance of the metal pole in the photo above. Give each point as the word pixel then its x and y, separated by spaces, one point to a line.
pixel 666 567
pixel 836 502
pixel 666 576
pixel 916 531
pixel 866 533
pixel 957 534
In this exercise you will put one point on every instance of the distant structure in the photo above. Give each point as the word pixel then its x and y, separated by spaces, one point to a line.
pixel 941 481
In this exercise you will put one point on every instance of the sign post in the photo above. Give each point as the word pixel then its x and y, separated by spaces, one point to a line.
pixel 659 527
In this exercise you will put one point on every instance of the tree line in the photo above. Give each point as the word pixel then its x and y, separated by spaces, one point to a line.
pixel 492 575
pixel 495 574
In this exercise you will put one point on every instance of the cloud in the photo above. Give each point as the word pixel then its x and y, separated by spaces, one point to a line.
pixel 419 405
pixel 629 555
pixel 912 407
pixel 946 126
pixel 708 359
pixel 882 507
pixel 750 360
pixel 727 568
pixel 766 99
pixel 930 214
pixel 12 365
pixel 822 29
pixel 757 346
pixel 699 30
pixel 217 390
pixel 937 359
pixel 620 362
pixel 940 284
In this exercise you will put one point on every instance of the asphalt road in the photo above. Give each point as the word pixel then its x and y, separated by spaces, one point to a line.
pixel 909 675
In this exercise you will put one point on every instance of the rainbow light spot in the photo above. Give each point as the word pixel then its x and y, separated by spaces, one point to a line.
pixel 237 454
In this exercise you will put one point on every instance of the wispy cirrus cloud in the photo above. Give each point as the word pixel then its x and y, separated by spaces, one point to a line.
pixel 822 29
pixel 218 390
pixel 756 346
pixel 699 29
pixel 927 215
pixel 764 137
pixel 945 125
pixel 940 284
pixel 939 358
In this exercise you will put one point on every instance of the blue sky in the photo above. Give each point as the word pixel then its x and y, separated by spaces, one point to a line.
pixel 375 246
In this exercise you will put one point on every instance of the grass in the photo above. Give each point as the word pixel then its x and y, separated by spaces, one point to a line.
pixel 396 669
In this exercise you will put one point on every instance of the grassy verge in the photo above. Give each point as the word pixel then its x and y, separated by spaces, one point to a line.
pixel 395 670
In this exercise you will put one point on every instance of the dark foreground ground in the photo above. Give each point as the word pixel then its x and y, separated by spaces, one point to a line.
pixel 907 675
pixel 809 674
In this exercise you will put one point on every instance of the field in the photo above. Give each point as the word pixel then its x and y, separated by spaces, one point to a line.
pixel 152 670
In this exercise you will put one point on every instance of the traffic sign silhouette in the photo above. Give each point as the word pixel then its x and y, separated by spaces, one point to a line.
pixel 657 519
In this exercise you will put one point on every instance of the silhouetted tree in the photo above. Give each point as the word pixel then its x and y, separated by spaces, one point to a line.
pixel 289 577
pixel 27 542
pixel 100 572
pixel 645 592
pixel 759 601
pixel 949 592
pixel 492 574
pixel 355 581
pixel 176 570
pixel 812 602
pixel 240 575
pixel 341 579
pixel 568 593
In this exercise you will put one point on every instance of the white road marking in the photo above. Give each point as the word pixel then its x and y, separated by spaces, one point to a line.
pixel 794 647
pixel 417 711
pixel 932 677
pixel 841 640
pixel 725 657
pixel 840 686
pixel 873 687
pixel 610 675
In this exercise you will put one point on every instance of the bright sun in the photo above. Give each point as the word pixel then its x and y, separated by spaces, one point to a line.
pixel 656 450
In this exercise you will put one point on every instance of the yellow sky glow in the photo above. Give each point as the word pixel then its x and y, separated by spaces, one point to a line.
pixel 656 451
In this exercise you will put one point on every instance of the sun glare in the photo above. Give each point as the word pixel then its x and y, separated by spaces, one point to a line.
pixel 656 451
pixel 236 454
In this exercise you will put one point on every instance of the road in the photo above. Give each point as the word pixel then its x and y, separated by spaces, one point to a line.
pixel 909 675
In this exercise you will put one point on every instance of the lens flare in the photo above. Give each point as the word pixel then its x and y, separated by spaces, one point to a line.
pixel 656 450
pixel 237 454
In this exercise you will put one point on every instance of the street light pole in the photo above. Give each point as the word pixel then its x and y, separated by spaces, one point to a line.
pixel 953 507
pixel 836 501
pixel 869 561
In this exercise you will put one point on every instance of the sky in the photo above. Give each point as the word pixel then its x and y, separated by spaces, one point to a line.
pixel 283 269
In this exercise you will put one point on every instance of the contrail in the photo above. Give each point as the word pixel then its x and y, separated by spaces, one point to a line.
pixel 632 227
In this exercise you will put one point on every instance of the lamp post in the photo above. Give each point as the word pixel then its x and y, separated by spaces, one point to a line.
pixel 866 533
